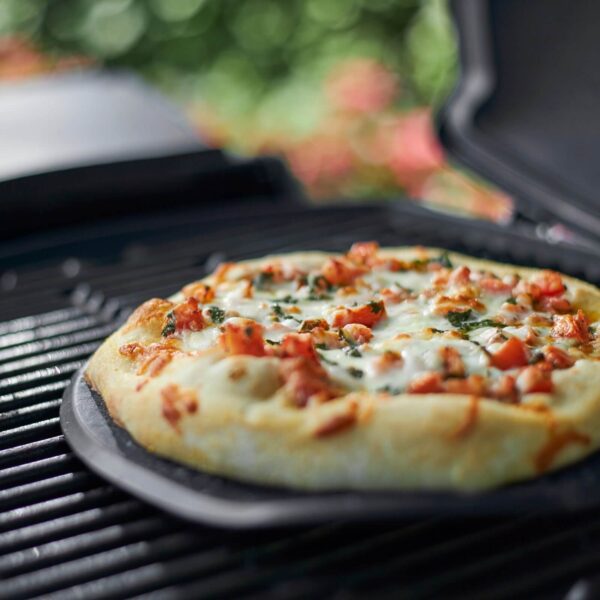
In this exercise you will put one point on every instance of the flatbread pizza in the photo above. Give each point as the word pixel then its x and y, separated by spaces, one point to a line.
pixel 397 368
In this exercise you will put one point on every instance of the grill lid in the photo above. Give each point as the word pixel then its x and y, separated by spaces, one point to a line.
pixel 525 111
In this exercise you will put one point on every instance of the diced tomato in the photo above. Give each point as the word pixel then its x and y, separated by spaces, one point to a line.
pixel 356 333
pixel 368 314
pixel 513 353
pixel 220 273
pixel 200 291
pixel 504 389
pixel 493 285
pixel 242 336
pixel 395 294
pixel 426 383
pixel 395 264
pixel 388 360
pixel 452 362
pixel 533 379
pixel 558 358
pixel 441 278
pixel 310 324
pixel 527 288
pixel 473 384
pixel 276 273
pixel 297 344
pixel 304 379
pixel 555 304
pixel 363 253
pixel 460 276
pixel 188 316
pixel 328 339
pixel 339 271
pixel 572 326
pixel 132 351
pixel 549 282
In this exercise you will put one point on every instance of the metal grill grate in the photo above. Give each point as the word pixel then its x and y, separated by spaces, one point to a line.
pixel 64 533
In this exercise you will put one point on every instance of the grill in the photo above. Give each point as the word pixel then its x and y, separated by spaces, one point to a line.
pixel 65 533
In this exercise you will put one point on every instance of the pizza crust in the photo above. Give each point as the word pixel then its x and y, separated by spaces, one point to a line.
pixel 241 428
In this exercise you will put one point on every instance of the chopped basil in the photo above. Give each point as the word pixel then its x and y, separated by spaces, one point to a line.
pixel 457 319
pixel 536 357
pixel 170 325
pixel 355 372
pixel 278 311
pixel 376 307
pixel 444 260
pixel 273 342
pixel 318 283
pixel 390 390
pixel 466 327
pixel 314 297
pixel 217 315
pixel 326 360
pixel 511 300
pixel 263 280
pixel 321 346
pixel 289 299
pixel 353 351
pixel 281 314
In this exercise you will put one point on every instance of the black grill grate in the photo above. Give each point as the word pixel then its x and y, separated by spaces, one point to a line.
pixel 64 533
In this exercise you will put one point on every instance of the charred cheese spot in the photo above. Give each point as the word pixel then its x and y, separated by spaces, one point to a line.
pixel 149 315
pixel 557 441
pixel 470 421
pixel 176 403
pixel 338 423
pixel 237 372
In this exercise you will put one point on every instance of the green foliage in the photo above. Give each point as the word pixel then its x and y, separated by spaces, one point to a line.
pixel 264 59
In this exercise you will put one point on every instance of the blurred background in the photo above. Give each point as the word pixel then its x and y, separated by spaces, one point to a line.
pixel 343 90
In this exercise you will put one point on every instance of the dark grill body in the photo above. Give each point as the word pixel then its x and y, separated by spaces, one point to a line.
pixel 65 533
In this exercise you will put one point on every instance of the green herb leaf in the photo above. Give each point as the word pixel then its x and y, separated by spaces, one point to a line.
pixel 263 280
pixel 376 307
pixel 326 360
pixel 272 342
pixel 289 299
pixel 444 260
pixel 353 351
pixel 217 315
pixel 457 318
pixel 355 372
pixel 278 311
pixel 318 283
pixel 170 326
pixel 390 389
pixel 511 300
pixel 466 327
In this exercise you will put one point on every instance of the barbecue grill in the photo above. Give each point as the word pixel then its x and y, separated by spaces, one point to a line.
pixel 67 533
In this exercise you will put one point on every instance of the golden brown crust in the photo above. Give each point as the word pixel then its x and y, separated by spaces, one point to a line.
pixel 242 427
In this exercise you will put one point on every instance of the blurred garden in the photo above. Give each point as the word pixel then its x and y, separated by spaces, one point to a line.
pixel 344 90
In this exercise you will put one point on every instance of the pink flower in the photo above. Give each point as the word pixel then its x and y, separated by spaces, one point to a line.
pixel 452 189
pixel 413 151
pixel 361 85
pixel 321 163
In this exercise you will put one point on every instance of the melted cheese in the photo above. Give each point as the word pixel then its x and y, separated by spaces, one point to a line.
pixel 413 328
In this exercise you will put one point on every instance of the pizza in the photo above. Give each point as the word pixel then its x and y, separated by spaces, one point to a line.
pixel 382 368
